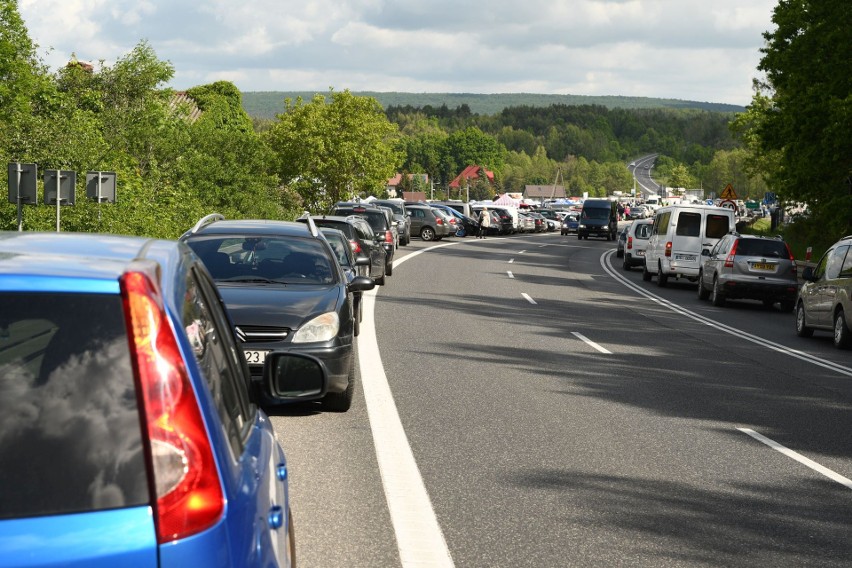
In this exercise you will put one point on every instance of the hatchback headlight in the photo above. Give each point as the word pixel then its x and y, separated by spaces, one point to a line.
pixel 321 328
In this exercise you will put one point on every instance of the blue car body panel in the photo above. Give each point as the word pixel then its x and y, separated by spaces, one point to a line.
pixel 252 531
pixel 101 539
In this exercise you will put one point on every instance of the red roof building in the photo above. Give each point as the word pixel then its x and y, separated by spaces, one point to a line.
pixel 471 173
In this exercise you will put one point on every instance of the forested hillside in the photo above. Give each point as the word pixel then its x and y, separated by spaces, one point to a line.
pixel 267 104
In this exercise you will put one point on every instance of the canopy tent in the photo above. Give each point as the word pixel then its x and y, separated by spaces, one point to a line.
pixel 506 200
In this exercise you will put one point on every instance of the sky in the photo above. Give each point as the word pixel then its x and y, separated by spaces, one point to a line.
pixel 675 49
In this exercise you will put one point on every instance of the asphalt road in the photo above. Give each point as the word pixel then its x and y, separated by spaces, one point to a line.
pixel 562 412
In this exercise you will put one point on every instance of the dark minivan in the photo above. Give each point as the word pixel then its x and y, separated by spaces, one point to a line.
pixel 598 218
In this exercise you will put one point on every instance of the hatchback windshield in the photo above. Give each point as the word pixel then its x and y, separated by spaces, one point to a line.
pixel 70 434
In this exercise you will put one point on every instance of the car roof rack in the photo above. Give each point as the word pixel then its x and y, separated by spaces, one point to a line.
pixel 204 221
pixel 311 225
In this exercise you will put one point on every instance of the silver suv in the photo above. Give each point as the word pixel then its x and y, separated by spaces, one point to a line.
pixel 748 267
pixel 825 299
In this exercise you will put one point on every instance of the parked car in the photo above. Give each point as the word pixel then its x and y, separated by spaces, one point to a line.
pixel 285 291
pixel 554 218
pixel 540 221
pixel 350 266
pixel 466 226
pixel 749 267
pixel 526 224
pixel 825 299
pixel 570 223
pixel 364 242
pixel 425 224
pixel 637 241
pixel 379 220
pixel 130 435
pixel 400 215
pixel 506 225
pixel 449 221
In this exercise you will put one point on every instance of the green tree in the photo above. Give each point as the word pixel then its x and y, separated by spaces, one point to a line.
pixel 471 147
pixel 334 148
pixel 798 123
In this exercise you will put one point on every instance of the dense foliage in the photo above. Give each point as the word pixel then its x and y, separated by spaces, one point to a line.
pixel 796 128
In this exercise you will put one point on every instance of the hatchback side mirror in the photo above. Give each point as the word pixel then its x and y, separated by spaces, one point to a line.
pixel 808 274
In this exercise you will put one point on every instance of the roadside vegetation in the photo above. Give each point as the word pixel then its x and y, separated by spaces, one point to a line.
pixel 179 156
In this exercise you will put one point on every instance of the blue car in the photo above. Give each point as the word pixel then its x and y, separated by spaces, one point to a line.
pixel 128 435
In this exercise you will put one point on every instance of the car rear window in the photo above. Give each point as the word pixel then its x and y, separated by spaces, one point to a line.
pixel 374 217
pixel 717 226
pixel 760 247
pixel 688 224
pixel 70 434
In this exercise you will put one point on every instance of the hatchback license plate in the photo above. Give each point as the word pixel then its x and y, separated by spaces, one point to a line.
pixel 762 266
pixel 255 357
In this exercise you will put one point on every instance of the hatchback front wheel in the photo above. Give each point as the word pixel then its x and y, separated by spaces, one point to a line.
pixel 842 335
pixel 427 234
pixel 802 330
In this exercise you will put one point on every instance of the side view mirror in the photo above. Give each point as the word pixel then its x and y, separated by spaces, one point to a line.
pixel 291 377
pixel 361 284
pixel 705 252
pixel 362 261
pixel 808 274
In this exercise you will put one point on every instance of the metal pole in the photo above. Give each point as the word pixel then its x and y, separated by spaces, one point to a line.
pixel 99 199
pixel 20 200
pixel 58 181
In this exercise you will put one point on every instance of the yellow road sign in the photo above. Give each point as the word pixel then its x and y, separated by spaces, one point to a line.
pixel 728 192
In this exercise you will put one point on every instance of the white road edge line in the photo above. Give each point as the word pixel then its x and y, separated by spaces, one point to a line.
pixel 588 341
pixel 509 272
pixel 530 300
pixel 738 333
pixel 832 475
pixel 419 538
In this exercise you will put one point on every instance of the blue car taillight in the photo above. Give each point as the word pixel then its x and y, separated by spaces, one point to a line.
pixel 187 487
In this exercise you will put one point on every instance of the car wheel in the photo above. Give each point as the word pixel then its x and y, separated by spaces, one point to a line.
pixel 427 234
pixel 842 335
pixel 768 303
pixel 625 264
pixel 716 296
pixel 619 253
pixel 646 276
pixel 662 279
pixel 342 401
pixel 703 293
pixel 802 330
pixel 787 306
pixel 381 280
pixel 461 233
pixel 389 269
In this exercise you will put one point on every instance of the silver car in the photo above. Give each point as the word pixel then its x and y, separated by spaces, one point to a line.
pixel 748 267
pixel 825 299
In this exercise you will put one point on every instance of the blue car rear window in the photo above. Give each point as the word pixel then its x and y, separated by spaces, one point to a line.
pixel 70 433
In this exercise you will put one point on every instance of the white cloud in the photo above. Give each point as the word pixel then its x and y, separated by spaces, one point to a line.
pixel 685 49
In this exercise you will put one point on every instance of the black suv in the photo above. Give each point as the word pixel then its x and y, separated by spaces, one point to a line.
pixel 379 220
pixel 285 290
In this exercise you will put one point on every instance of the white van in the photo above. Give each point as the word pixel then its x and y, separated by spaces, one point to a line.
pixel 679 234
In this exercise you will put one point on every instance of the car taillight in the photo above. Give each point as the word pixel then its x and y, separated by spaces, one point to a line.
pixel 729 261
pixel 439 221
pixel 188 490
pixel 793 266
pixel 668 252
pixel 355 246
pixel 388 236
pixel 629 242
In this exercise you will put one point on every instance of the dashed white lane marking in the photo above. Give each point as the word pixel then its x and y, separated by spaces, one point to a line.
pixel 511 260
pixel 419 538
pixel 521 252
pixel 588 341
pixel 530 300
pixel 832 475
pixel 509 272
